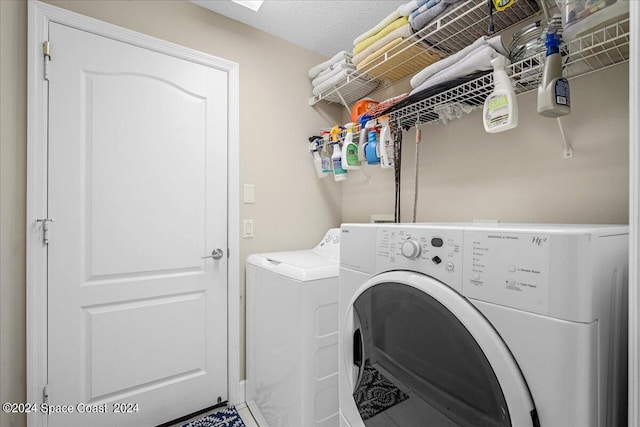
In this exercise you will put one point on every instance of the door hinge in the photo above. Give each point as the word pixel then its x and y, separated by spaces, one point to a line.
pixel 47 59
pixel 45 229
pixel 45 394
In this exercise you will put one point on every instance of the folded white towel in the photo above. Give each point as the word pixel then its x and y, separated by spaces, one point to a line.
pixel 375 30
pixel 314 71
pixel 335 69
pixel 333 66
pixel 495 42
pixel 363 85
pixel 478 60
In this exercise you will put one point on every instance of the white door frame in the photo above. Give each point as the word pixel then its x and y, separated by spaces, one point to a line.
pixel 634 217
pixel 40 15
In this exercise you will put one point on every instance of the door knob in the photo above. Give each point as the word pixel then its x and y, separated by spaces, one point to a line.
pixel 215 254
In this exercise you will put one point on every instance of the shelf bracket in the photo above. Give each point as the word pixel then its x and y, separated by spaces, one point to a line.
pixel 568 150
pixel 343 101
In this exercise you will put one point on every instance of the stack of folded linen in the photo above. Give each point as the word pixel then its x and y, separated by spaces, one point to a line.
pixel 331 72
pixel 475 57
pixel 388 51
pixel 422 12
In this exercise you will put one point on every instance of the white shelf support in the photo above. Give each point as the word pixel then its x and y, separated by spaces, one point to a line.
pixel 568 149
pixel 343 101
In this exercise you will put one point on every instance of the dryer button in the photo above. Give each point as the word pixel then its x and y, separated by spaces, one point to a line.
pixel 450 266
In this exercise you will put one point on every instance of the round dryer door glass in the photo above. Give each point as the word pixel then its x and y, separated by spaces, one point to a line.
pixel 419 365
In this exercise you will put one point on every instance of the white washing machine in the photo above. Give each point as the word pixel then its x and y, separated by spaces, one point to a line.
pixel 292 336
pixel 473 325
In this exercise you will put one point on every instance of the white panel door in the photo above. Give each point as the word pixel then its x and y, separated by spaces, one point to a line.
pixel 138 191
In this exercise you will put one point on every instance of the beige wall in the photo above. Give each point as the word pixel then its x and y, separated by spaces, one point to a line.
pixel 13 154
pixel 517 175
pixel 293 209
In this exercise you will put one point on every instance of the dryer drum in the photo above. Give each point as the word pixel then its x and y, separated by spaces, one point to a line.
pixel 424 350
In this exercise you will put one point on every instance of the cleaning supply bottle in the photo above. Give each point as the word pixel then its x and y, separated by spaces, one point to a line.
pixel 387 151
pixel 339 174
pixel 500 110
pixel 324 152
pixel 317 161
pixel 371 150
pixel 364 119
pixel 350 150
pixel 553 91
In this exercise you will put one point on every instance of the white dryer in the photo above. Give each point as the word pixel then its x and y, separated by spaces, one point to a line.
pixel 292 336
pixel 473 325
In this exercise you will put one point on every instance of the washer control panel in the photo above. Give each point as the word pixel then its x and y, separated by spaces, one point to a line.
pixel 435 252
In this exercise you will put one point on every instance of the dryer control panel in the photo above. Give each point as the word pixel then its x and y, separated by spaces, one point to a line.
pixel 507 268
pixel 431 251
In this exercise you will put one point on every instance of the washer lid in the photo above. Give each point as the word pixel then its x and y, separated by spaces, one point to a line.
pixel 299 265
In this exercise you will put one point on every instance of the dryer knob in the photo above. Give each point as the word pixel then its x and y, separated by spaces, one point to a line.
pixel 410 249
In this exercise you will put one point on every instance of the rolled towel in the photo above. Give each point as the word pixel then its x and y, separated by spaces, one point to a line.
pixel 403 20
pixel 335 69
pixel 386 21
pixel 404 32
pixel 314 71
pixel 495 42
pixel 478 60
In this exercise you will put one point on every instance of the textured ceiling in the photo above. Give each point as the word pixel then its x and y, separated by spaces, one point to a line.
pixel 323 26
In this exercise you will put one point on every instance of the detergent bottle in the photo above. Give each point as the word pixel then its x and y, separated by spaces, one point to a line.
pixel 339 174
pixel 325 158
pixel 350 150
pixel 371 150
pixel 362 158
pixel 553 91
pixel 387 151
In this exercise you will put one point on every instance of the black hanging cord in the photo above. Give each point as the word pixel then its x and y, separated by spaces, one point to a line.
pixel 397 155
pixel 491 28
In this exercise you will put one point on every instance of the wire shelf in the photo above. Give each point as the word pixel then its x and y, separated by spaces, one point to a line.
pixel 595 51
pixel 450 33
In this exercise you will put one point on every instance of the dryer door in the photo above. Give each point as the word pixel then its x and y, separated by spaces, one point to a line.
pixel 420 353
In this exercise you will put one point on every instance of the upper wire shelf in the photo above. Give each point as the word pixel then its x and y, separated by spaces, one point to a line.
pixel 450 33
pixel 595 51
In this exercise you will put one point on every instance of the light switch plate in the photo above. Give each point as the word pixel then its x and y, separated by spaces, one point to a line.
pixel 249 196
pixel 247 228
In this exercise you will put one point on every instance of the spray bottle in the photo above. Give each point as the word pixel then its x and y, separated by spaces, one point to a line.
pixel 553 91
pixel 387 150
pixel 314 146
pixel 350 150
pixel 364 119
pixel 500 111
pixel 324 153
pixel 371 150
pixel 339 174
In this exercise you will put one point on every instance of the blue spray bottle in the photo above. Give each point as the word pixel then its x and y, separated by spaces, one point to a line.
pixel 553 91
pixel 362 142
pixel 371 151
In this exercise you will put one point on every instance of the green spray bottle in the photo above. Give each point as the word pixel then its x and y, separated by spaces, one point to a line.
pixel 350 150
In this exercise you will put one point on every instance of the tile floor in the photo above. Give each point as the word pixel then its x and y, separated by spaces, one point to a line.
pixel 242 408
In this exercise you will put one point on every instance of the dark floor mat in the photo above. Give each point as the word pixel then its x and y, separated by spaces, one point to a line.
pixel 376 393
